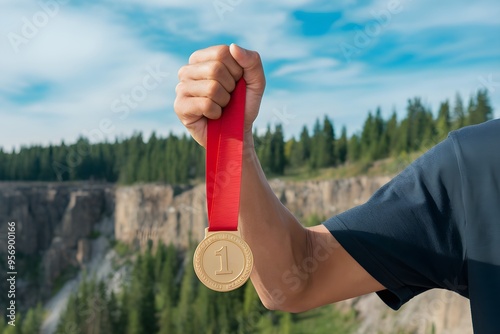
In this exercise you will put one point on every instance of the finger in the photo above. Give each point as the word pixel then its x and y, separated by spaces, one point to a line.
pixel 211 89
pixel 251 63
pixel 220 53
pixel 209 70
pixel 192 109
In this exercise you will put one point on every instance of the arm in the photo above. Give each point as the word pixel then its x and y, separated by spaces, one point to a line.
pixel 295 268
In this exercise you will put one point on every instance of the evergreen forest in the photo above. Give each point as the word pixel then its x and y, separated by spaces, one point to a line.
pixel 180 160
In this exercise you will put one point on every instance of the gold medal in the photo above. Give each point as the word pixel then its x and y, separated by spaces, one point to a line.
pixel 223 261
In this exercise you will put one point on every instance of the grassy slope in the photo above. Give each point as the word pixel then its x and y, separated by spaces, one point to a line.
pixel 389 166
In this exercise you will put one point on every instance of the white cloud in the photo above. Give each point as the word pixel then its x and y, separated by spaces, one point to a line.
pixel 348 96
pixel 89 62
pixel 319 64
pixel 90 55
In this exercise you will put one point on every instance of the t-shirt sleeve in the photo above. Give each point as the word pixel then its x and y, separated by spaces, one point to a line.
pixel 409 235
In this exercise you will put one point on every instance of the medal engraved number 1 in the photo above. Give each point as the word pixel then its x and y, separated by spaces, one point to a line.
pixel 224 265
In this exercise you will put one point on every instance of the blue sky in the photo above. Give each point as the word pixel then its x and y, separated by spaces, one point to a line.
pixel 108 68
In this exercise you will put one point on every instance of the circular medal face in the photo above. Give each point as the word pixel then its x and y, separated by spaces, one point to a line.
pixel 223 261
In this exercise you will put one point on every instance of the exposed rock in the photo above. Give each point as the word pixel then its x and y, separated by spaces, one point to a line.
pixel 83 251
pixel 52 222
pixel 436 311
pixel 157 212
pixel 326 198
pixel 153 211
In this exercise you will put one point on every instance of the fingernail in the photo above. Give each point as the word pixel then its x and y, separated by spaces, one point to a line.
pixel 243 50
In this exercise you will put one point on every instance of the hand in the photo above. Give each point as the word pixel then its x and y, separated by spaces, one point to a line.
pixel 207 82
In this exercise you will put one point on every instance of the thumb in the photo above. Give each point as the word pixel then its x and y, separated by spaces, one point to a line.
pixel 253 72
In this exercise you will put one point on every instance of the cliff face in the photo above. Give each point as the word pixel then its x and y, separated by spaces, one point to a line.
pixel 53 222
pixel 162 213
pixel 174 215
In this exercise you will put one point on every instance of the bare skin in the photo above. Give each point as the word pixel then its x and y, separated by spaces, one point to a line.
pixel 296 268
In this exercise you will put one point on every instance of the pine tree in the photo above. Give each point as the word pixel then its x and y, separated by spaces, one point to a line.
pixel 264 151
pixel 114 310
pixel 459 116
pixel 480 110
pixel 70 321
pixel 316 149
pixel 202 307
pixel 370 137
pixel 184 312
pixel 146 303
pixel 342 146
pixel 166 325
pixel 443 121
pixel 354 148
pixel 277 157
pixel 379 144
pixel 33 320
pixel 305 147
pixel 292 153
pixel 328 138
pixel 134 322
pixel 285 326
pixel 391 132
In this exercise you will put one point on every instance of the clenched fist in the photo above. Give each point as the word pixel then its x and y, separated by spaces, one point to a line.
pixel 207 82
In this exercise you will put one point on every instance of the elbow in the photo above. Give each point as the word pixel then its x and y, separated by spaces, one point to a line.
pixel 278 301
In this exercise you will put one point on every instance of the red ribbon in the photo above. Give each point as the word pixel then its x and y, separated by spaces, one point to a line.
pixel 223 163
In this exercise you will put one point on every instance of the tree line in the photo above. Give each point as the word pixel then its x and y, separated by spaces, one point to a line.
pixel 179 159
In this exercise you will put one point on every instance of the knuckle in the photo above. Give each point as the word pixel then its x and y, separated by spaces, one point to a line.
pixel 231 85
pixel 222 51
pixel 239 72
pixel 255 59
pixel 181 72
pixel 179 88
pixel 213 88
pixel 193 56
pixel 206 105
pixel 177 106
pixel 225 99
pixel 215 111
pixel 216 70
pixel 256 56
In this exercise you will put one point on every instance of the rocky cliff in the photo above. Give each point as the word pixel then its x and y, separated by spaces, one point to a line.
pixel 162 213
pixel 174 215
pixel 55 223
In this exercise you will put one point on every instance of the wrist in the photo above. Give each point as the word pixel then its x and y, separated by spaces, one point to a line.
pixel 248 142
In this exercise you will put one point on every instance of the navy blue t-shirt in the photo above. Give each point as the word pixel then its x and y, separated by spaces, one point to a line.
pixel 436 225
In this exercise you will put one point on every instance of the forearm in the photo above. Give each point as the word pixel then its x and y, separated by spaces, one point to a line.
pixel 278 241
